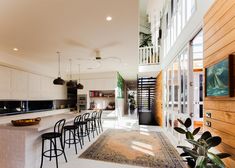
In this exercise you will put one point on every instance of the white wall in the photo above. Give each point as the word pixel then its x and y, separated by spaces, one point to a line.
pixel 101 81
pixel 96 81
pixel 22 64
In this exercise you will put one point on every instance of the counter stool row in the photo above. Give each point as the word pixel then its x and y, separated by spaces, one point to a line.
pixel 83 125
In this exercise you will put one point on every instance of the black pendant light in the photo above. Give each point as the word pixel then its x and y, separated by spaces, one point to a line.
pixel 59 80
pixel 79 85
pixel 70 83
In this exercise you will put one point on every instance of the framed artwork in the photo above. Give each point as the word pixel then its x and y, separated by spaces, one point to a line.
pixel 218 79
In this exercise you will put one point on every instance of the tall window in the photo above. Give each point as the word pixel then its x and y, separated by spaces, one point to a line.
pixel 180 13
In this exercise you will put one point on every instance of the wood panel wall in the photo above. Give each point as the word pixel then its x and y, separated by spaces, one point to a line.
pixel 219 42
pixel 158 100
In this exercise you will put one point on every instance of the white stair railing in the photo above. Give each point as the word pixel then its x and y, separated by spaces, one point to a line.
pixel 148 55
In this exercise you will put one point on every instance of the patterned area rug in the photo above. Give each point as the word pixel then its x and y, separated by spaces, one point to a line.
pixel 146 149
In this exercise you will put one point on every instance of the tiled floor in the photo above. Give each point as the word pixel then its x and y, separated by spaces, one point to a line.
pixel 73 160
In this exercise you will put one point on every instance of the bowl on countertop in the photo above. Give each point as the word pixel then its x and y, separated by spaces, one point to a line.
pixel 26 122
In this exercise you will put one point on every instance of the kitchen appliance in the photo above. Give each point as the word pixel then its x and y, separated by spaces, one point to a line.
pixel 82 102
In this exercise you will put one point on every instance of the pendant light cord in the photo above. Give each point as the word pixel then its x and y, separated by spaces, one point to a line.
pixel 58 53
pixel 70 60
pixel 79 73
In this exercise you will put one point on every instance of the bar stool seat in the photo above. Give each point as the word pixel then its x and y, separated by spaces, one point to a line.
pixel 51 135
pixel 70 127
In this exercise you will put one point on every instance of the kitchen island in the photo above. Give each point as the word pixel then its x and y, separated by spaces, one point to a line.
pixel 20 147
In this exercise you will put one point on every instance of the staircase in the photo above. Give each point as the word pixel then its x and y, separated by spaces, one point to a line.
pixel 146 100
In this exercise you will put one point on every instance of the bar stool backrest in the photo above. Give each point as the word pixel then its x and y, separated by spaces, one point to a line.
pixel 85 116
pixel 100 113
pixel 94 114
pixel 59 125
pixel 77 119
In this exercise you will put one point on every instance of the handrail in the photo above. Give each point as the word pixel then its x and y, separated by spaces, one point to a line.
pixel 148 55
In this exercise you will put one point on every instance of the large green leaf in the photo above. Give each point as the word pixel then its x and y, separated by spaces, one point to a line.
pixel 206 135
pixel 213 141
pixel 196 143
pixel 189 135
pixel 184 154
pixel 191 153
pixel 201 162
pixel 191 162
pixel 188 123
pixel 216 160
pixel 223 155
pixel 180 130
pixel 183 147
pixel 202 150
pixel 196 130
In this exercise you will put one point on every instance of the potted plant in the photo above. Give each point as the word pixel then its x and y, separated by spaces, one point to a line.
pixel 132 102
pixel 199 155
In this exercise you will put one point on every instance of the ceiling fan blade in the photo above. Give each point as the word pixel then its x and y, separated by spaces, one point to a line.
pixel 111 44
pixel 75 43
pixel 113 58
pixel 85 59
pixel 98 65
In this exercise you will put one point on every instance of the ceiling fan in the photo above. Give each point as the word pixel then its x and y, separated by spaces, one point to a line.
pixel 98 59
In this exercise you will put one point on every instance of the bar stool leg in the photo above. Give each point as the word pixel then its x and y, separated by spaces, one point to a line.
pixel 87 132
pixel 69 137
pixel 95 126
pixel 98 123
pixel 61 143
pixel 64 137
pixel 56 156
pixel 92 129
pixel 42 153
pixel 101 125
pixel 50 149
pixel 74 140
pixel 80 141
pixel 81 127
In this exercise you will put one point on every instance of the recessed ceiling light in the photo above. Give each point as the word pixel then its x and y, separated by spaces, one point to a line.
pixel 109 18
pixel 15 49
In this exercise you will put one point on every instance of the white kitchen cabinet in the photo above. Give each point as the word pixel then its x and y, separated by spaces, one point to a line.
pixel 5 83
pixel 19 85
pixel 46 88
pixel 51 91
pixel 34 87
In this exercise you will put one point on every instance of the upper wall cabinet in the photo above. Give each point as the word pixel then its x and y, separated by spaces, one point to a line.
pixel 46 88
pixel 19 84
pixel 5 83
pixel 34 89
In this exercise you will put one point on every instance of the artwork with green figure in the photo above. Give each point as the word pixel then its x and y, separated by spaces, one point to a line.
pixel 217 79
pixel 120 86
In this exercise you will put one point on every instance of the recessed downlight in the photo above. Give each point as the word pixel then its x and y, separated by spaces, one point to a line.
pixel 109 18
pixel 15 49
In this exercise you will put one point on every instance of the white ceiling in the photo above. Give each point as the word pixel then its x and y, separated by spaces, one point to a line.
pixel 39 28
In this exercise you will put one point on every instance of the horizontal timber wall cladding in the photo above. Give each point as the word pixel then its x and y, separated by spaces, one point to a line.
pixel 219 42
pixel 158 100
